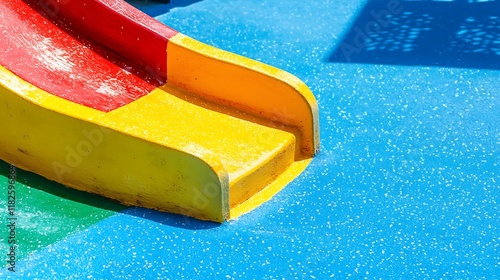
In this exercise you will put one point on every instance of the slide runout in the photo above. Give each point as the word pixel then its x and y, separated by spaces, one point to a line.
pixel 251 148
pixel 256 156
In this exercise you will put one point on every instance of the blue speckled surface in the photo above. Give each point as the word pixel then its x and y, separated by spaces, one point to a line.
pixel 407 184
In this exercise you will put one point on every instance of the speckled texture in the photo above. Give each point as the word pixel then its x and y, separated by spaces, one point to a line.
pixel 406 185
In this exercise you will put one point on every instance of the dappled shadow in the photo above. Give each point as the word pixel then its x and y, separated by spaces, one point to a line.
pixel 158 7
pixel 434 33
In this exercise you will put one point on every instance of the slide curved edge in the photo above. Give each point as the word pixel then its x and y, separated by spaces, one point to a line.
pixel 276 97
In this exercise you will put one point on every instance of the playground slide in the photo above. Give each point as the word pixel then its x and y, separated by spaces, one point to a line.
pixel 102 98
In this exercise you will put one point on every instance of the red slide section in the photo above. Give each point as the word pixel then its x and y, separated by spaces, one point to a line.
pixel 99 53
pixel 119 27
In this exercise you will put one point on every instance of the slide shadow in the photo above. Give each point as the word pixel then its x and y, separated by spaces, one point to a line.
pixel 463 33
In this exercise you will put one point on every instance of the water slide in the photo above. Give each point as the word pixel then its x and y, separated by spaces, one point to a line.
pixel 102 98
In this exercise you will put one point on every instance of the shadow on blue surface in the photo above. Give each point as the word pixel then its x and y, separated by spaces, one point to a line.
pixel 155 7
pixel 432 33
pixel 169 219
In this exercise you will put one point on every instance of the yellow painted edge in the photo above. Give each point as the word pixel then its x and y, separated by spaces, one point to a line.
pixel 263 174
pixel 271 190
pixel 40 154
pixel 204 70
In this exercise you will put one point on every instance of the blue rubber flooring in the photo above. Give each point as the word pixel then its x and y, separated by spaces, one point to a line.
pixel 407 183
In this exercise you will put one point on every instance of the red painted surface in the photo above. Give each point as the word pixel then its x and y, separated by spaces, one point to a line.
pixel 117 26
pixel 62 62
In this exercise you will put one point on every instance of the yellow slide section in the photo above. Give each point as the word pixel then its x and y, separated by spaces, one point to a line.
pixel 223 135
